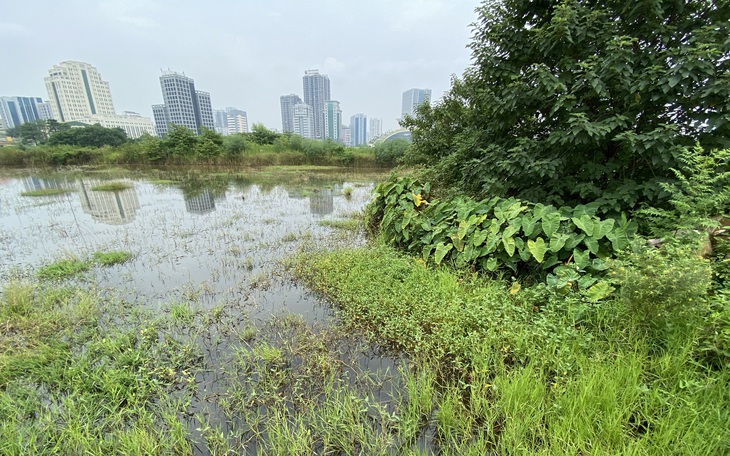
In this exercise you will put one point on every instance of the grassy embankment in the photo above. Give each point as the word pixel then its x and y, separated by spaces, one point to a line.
pixel 531 372
pixel 132 154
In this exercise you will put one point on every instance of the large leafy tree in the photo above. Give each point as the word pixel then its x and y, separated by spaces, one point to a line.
pixel 581 100
pixel 89 136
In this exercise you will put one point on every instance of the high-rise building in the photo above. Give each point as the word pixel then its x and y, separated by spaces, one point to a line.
pixel 375 128
pixel 412 99
pixel 332 120
pixel 220 120
pixel 287 111
pixel 237 120
pixel 183 105
pixel 158 112
pixel 77 93
pixel 206 110
pixel 316 93
pixel 16 111
pixel 359 130
pixel 45 111
pixel 76 90
pixel 303 120
pixel 347 135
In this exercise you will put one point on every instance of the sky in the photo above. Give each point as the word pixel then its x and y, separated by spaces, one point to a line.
pixel 246 53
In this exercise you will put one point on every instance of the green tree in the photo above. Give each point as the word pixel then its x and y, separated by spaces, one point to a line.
pixel 89 136
pixel 262 135
pixel 180 141
pixel 210 143
pixel 234 144
pixel 574 101
pixel 388 152
pixel 33 132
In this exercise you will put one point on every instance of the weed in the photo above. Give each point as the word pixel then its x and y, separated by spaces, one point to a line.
pixel 112 187
pixel 63 269
pixel 46 192
pixel 347 192
pixel 112 258
pixel 349 224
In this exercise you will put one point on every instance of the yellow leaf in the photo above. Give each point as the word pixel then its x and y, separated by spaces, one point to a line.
pixel 417 199
pixel 515 288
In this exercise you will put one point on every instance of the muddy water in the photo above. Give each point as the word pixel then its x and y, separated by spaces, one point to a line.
pixel 213 238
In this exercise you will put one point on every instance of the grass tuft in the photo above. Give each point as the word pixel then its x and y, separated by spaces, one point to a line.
pixel 112 187
pixel 112 258
pixel 46 192
pixel 63 269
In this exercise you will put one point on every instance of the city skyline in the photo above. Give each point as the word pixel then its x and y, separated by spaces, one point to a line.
pixel 245 55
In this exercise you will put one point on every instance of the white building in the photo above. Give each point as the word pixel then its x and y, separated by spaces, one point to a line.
pixel 132 123
pixel 375 128
pixel 303 121
pixel 237 121
pixel 76 90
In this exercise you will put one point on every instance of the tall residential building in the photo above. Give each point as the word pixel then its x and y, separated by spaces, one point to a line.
pixel 45 111
pixel 332 120
pixel 375 128
pixel 76 90
pixel 220 120
pixel 183 105
pixel 158 112
pixel 316 93
pixel 287 111
pixel 206 110
pixel 16 111
pixel 347 135
pixel 237 120
pixel 303 120
pixel 412 99
pixel 358 130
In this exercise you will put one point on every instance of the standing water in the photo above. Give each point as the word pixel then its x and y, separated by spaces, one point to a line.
pixel 261 353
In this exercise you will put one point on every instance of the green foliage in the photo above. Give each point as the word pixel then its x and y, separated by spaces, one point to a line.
pixel 112 258
pixel 112 187
pixel 699 195
pixel 63 269
pixel 46 192
pixel 261 135
pixel 499 233
pixel 666 290
pixel 89 136
pixel 389 152
pixel 180 141
pixel 33 132
pixel 210 143
pixel 234 144
pixel 570 102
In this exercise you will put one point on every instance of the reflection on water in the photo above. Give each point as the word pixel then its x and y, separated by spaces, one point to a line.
pixel 200 204
pixel 322 202
pixel 31 183
pixel 112 207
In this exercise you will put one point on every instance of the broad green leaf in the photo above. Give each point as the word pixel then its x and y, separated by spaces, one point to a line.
pixel 600 290
pixel 557 242
pixel 528 224
pixel 495 226
pixel 592 244
pixel 573 241
pixel 601 229
pixel 550 223
pixel 584 223
pixel 537 248
pixel 509 244
pixel 479 237
pixel 492 263
pixel 426 251
pixel 442 249
pixel 581 258
pixel 619 238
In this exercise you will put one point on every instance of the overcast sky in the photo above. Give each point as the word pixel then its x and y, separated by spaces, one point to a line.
pixel 246 53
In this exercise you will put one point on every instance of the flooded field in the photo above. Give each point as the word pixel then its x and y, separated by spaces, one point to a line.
pixel 252 358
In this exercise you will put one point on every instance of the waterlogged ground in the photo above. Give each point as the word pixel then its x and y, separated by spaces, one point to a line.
pixel 218 236
pixel 253 362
